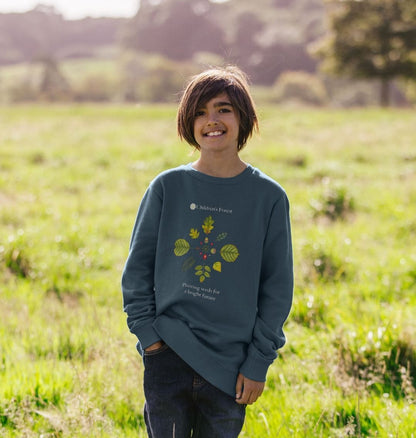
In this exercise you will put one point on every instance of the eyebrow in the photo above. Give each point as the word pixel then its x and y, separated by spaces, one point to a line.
pixel 217 104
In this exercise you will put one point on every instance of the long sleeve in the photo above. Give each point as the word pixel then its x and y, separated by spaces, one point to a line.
pixel 138 276
pixel 210 272
pixel 275 294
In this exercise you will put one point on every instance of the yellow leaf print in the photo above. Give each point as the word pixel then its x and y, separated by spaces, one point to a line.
pixel 229 253
pixel 208 225
pixel 181 247
pixel 194 233
pixel 208 256
pixel 217 266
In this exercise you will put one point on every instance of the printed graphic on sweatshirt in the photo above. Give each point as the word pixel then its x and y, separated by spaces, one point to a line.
pixel 206 250
pixel 208 208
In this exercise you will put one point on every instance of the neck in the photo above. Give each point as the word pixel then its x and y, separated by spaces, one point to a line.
pixel 220 167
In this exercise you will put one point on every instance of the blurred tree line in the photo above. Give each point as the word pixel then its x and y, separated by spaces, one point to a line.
pixel 265 37
pixel 279 43
pixel 43 32
pixel 371 39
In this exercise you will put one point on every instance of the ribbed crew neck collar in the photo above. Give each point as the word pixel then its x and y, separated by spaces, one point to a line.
pixel 218 180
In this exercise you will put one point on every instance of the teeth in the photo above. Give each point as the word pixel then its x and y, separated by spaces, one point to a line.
pixel 214 133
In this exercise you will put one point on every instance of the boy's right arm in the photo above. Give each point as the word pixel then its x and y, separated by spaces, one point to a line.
pixel 138 276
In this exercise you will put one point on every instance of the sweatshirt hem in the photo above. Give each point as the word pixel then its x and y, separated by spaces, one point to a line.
pixel 185 344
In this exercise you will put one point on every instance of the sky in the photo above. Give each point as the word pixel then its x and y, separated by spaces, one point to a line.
pixel 75 9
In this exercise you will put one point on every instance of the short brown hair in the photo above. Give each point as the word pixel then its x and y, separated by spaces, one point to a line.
pixel 209 84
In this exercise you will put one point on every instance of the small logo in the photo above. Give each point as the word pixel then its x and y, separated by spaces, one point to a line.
pixel 192 206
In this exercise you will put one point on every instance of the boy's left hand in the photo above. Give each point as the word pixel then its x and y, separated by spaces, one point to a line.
pixel 247 390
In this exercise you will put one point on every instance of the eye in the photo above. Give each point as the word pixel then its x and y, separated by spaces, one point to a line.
pixel 225 110
pixel 199 113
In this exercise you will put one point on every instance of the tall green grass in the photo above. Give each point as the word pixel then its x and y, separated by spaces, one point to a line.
pixel 71 178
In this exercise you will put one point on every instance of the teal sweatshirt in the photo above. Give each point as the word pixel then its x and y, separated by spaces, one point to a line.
pixel 210 272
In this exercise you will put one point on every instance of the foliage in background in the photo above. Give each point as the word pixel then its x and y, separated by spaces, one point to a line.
pixel 148 57
pixel 43 32
pixel 71 178
pixel 264 38
pixel 300 87
pixel 371 39
pixel 138 77
pixel 175 28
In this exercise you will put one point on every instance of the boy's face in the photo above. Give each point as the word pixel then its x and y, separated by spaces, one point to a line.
pixel 216 125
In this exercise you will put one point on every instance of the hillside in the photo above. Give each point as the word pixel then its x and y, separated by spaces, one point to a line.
pixel 146 57
pixel 43 32
pixel 264 38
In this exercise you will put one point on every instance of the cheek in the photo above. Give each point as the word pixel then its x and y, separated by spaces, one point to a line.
pixel 238 130
pixel 195 132
pixel 196 127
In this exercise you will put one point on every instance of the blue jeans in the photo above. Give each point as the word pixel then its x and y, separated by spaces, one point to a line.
pixel 181 404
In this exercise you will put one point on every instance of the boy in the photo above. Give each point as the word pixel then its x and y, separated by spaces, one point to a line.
pixel 208 280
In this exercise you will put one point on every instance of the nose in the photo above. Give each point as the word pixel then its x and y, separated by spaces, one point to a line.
pixel 212 119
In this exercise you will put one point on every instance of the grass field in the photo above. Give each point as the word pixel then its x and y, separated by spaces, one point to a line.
pixel 71 178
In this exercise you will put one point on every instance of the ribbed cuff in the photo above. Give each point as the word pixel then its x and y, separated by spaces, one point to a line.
pixel 147 336
pixel 255 366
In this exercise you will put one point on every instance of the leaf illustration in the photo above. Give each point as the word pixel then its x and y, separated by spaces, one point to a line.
pixel 194 233
pixel 221 236
pixel 188 263
pixel 229 253
pixel 217 266
pixel 201 279
pixel 181 247
pixel 207 268
pixel 208 225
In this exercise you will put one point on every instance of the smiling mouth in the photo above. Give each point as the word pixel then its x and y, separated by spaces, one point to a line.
pixel 214 133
